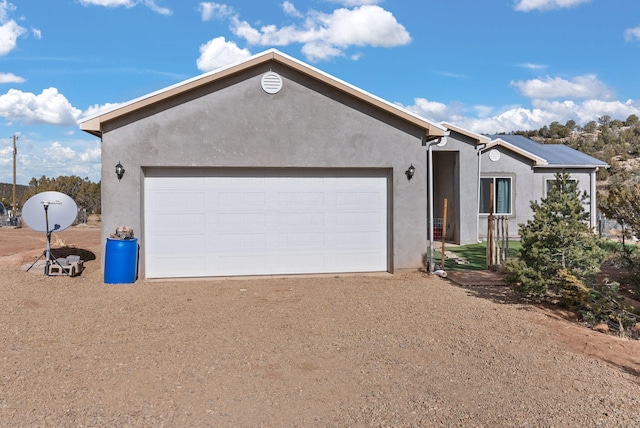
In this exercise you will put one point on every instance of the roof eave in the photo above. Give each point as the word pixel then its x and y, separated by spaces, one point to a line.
pixel 481 139
pixel 537 160
pixel 573 166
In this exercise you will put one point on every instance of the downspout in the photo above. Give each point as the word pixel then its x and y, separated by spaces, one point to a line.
pixel 430 161
pixel 592 200
pixel 479 151
pixel 430 144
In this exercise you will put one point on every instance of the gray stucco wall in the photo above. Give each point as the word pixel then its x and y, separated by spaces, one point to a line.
pixel 235 123
pixel 529 184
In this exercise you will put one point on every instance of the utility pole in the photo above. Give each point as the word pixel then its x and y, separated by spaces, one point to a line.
pixel 15 152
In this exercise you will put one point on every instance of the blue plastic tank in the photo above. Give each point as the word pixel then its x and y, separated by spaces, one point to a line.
pixel 121 261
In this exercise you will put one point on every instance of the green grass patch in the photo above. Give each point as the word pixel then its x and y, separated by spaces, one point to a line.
pixel 475 254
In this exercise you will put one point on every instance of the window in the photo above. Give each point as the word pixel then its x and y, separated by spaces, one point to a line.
pixel 550 182
pixel 501 195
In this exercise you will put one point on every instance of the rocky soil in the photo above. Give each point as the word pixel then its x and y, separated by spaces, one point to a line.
pixel 375 350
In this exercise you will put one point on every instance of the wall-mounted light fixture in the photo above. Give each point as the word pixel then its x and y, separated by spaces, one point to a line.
pixel 410 171
pixel 119 171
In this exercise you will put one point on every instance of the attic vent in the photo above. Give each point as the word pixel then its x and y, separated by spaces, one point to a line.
pixel 271 82
pixel 494 155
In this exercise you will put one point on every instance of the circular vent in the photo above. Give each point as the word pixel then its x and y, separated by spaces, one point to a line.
pixel 494 155
pixel 271 82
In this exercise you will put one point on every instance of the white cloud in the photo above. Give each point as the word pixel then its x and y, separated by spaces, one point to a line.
pixel 529 5
pixel 482 119
pixel 97 109
pixel 291 10
pixel 351 3
pixel 154 7
pixel 151 4
pixel 109 3
pixel 92 153
pixel 49 107
pixel 36 33
pixel 531 66
pixel 452 75
pixel 218 52
pixel 589 109
pixel 552 99
pixel 9 33
pixel 11 78
pixel 81 157
pixel 587 86
pixel 431 109
pixel 632 34
pixel 210 10
pixel 5 7
pixel 55 153
pixel 324 36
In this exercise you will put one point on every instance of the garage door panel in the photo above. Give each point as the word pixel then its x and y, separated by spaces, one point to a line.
pixel 241 264
pixel 302 263
pixel 165 266
pixel 241 241
pixel 358 220
pixel 254 222
pixel 187 201
pixel 358 240
pixel 184 221
pixel 359 261
pixel 301 240
pixel 305 219
pixel 300 199
pixel 176 243
pixel 240 220
pixel 242 199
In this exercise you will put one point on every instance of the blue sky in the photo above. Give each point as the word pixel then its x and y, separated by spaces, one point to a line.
pixel 487 66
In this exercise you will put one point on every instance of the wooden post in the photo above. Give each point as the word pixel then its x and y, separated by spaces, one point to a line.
pixel 490 230
pixel 506 256
pixel 444 228
pixel 15 152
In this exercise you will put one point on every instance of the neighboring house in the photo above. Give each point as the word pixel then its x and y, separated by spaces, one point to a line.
pixel 268 166
pixel 518 170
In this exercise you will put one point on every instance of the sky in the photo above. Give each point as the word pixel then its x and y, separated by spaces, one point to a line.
pixel 488 66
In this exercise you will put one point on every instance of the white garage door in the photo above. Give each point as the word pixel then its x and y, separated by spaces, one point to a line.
pixel 212 222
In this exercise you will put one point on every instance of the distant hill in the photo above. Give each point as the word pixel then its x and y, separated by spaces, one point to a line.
pixel 613 141
pixel 6 193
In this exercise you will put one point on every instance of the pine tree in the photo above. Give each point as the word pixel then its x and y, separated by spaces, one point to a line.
pixel 622 204
pixel 557 243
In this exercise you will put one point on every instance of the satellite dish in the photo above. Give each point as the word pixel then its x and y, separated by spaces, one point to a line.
pixel 49 212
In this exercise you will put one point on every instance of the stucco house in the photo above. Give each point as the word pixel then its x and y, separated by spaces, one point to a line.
pixel 467 166
pixel 271 166
pixel 268 166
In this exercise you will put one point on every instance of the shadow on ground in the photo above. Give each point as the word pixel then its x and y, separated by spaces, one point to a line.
pixel 85 255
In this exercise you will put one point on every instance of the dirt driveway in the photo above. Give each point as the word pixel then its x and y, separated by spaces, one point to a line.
pixel 381 350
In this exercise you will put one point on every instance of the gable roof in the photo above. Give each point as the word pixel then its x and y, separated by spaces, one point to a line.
pixel 547 155
pixel 93 124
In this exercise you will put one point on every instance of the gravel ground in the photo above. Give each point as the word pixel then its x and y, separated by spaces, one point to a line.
pixel 377 350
